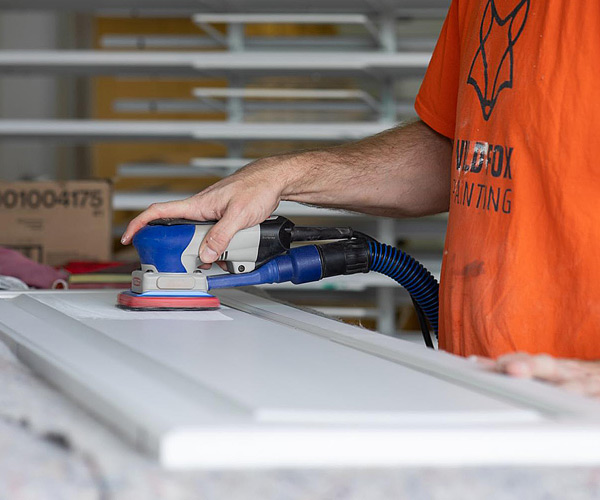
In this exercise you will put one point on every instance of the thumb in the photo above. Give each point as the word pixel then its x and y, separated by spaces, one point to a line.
pixel 218 237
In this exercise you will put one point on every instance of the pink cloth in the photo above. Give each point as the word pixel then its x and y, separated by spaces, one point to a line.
pixel 13 263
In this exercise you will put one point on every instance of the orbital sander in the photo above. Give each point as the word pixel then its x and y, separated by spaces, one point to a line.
pixel 171 277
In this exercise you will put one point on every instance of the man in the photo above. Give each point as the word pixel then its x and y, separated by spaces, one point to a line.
pixel 506 142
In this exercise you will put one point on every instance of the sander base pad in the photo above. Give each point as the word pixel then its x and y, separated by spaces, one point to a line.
pixel 165 301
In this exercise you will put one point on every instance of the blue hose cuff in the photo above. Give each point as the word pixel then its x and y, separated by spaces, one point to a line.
pixel 299 265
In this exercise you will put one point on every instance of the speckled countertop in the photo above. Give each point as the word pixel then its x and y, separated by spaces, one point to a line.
pixel 52 449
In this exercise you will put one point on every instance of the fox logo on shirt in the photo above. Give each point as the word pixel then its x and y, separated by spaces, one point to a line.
pixel 492 67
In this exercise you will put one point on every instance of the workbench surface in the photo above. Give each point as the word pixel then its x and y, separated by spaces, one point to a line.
pixel 51 448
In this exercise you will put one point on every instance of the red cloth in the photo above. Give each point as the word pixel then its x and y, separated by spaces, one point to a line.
pixel 13 263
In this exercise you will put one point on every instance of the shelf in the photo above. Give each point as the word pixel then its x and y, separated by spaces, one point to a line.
pixel 271 18
pixel 210 105
pixel 134 200
pixel 334 108
pixel 88 130
pixel 90 61
pixel 286 93
pixel 345 42
pixel 198 167
pixel 159 8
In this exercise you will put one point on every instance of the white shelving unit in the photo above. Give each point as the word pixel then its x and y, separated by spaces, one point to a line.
pixel 369 50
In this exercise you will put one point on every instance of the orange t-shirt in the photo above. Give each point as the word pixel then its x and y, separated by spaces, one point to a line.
pixel 516 85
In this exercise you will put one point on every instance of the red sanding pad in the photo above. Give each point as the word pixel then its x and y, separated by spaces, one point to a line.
pixel 167 302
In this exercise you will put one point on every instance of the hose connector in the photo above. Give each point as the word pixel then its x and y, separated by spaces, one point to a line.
pixel 345 257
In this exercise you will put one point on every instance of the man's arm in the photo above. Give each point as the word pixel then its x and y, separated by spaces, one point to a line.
pixel 404 171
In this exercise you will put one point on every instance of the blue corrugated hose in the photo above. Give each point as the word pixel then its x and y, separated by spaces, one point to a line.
pixel 303 265
pixel 409 273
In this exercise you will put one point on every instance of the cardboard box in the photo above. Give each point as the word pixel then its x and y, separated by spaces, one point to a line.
pixel 55 222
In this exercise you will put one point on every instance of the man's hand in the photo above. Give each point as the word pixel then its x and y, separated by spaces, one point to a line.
pixel 582 377
pixel 242 200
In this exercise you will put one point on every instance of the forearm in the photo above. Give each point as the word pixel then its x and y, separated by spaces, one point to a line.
pixel 401 172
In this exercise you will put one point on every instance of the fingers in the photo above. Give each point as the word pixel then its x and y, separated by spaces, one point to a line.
pixel 524 365
pixel 219 201
pixel 582 377
pixel 585 385
pixel 218 237
pixel 171 209
pixel 542 367
pixel 482 362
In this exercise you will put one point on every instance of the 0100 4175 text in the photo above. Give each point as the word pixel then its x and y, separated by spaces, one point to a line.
pixel 50 198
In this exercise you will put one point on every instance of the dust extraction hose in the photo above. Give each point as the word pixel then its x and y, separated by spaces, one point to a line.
pixel 409 273
pixel 361 254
